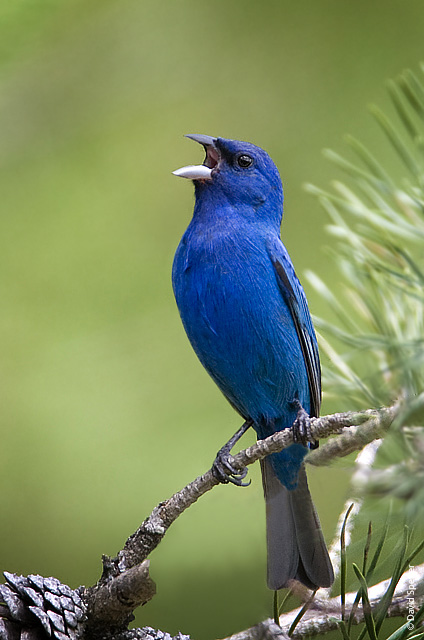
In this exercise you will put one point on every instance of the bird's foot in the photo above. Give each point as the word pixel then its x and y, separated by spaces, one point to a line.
pixel 225 472
pixel 302 429
pixel 223 469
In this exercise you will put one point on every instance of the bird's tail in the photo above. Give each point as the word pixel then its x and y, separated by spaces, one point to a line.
pixel 295 544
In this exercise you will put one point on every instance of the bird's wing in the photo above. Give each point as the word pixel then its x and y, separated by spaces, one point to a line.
pixel 294 296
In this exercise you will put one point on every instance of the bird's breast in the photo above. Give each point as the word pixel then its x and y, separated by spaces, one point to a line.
pixel 237 321
pixel 225 285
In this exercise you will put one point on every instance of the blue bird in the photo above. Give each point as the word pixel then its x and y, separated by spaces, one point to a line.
pixel 246 316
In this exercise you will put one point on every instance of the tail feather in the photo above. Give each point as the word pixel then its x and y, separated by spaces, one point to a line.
pixel 295 544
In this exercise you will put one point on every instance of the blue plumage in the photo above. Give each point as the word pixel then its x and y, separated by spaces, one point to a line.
pixel 247 319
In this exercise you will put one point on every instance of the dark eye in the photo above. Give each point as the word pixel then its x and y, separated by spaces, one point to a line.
pixel 244 161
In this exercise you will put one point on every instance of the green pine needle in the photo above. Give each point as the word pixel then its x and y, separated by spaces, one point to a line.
pixel 369 619
pixel 301 613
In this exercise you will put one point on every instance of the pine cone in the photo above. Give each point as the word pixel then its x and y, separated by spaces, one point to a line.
pixel 37 608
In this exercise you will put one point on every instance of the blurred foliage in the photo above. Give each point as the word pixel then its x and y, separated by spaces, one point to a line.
pixel 378 224
pixel 105 409
pixel 379 230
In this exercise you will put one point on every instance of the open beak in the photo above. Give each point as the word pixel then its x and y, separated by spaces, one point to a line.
pixel 201 171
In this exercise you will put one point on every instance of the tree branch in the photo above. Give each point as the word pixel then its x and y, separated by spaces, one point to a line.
pixel 324 613
pixel 141 543
pixel 373 425
pixel 147 537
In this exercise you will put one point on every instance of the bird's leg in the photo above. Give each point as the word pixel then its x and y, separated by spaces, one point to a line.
pixel 222 469
pixel 302 428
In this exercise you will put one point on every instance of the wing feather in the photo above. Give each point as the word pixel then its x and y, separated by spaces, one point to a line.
pixel 296 301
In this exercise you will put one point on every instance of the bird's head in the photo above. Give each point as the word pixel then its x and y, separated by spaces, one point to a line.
pixel 237 172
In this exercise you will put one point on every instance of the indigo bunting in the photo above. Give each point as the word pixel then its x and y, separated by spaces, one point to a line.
pixel 246 316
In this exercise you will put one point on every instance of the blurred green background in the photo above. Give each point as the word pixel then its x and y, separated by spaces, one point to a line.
pixel 105 410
